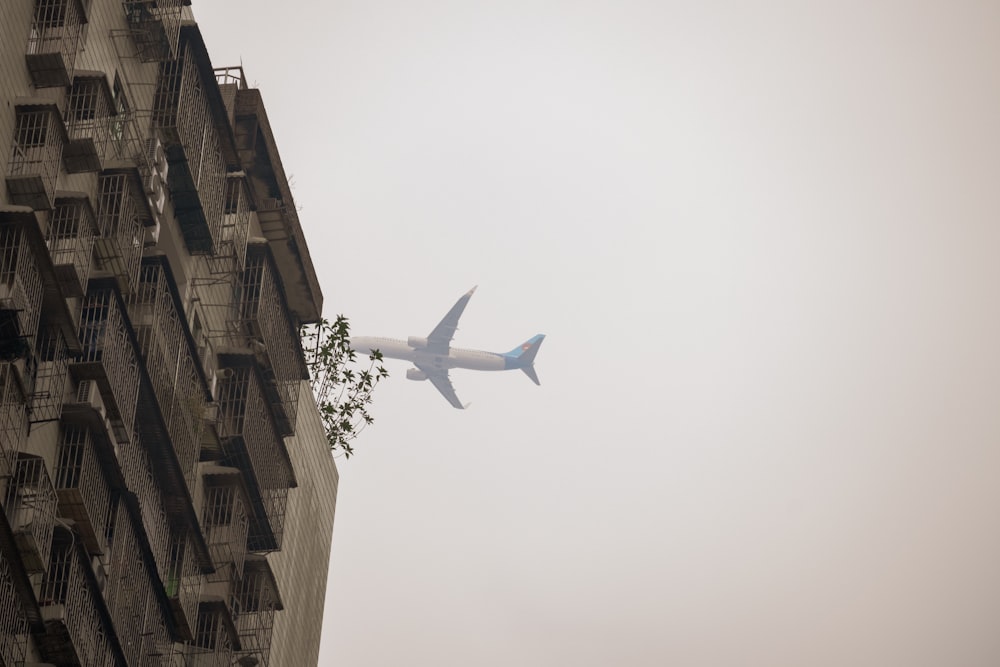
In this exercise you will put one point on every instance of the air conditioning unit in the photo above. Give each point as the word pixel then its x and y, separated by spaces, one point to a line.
pixel 89 393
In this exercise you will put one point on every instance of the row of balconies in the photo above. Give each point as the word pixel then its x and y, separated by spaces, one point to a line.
pixel 57 35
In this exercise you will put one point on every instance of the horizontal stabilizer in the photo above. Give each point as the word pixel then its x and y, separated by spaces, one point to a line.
pixel 530 372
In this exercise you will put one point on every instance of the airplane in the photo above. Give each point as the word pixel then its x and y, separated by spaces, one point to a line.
pixel 434 356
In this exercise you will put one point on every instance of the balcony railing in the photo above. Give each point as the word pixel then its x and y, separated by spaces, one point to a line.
pixel 137 471
pixel 21 292
pixel 171 363
pixel 215 638
pixel 50 377
pixel 31 511
pixel 131 597
pixel 252 444
pixel 76 631
pixel 82 487
pixel 183 584
pixel 88 124
pixel 257 600
pixel 13 418
pixel 226 523
pixel 155 27
pixel 109 357
pixel 183 116
pixel 230 255
pixel 54 41
pixel 118 247
pixel 72 230
pixel 13 621
pixel 36 149
pixel 267 326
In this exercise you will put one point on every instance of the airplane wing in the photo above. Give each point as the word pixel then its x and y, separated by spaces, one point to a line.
pixel 442 383
pixel 439 340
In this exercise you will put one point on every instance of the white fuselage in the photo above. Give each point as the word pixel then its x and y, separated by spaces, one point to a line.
pixel 394 348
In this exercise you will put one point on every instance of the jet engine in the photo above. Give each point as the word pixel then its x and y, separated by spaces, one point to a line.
pixel 415 342
pixel 415 374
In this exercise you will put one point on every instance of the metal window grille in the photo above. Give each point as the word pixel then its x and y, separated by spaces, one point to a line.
pixel 31 510
pixel 258 600
pixel 155 27
pixel 226 524
pixel 35 153
pixel 72 228
pixel 108 356
pixel 20 291
pixel 82 488
pixel 88 124
pixel 53 41
pixel 13 622
pixel 253 445
pixel 129 594
pixel 50 378
pixel 170 365
pixel 13 419
pixel 267 324
pixel 64 584
pixel 138 474
pixel 230 255
pixel 119 246
pixel 183 583
pixel 182 115
pixel 212 645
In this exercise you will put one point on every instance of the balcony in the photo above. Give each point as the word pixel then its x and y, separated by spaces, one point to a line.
pixel 225 521
pixel 54 41
pixel 71 235
pixel 88 123
pixel 188 114
pixel 109 356
pixel 183 585
pixel 13 418
pixel 215 637
pixel 136 602
pixel 77 628
pixel 155 27
pixel 230 255
pixel 21 292
pixel 253 445
pixel 171 362
pixel 257 600
pixel 13 621
pixel 118 246
pixel 31 508
pixel 82 487
pixel 266 326
pixel 36 149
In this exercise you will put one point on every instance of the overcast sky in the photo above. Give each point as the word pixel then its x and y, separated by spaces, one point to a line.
pixel 763 240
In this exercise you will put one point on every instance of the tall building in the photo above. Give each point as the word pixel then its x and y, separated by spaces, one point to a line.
pixel 166 487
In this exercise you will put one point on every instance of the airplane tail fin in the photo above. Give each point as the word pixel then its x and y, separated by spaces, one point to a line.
pixel 524 356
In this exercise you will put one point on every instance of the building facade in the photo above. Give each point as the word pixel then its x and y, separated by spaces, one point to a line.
pixel 166 487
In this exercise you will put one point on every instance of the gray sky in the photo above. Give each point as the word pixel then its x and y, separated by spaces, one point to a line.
pixel 762 238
